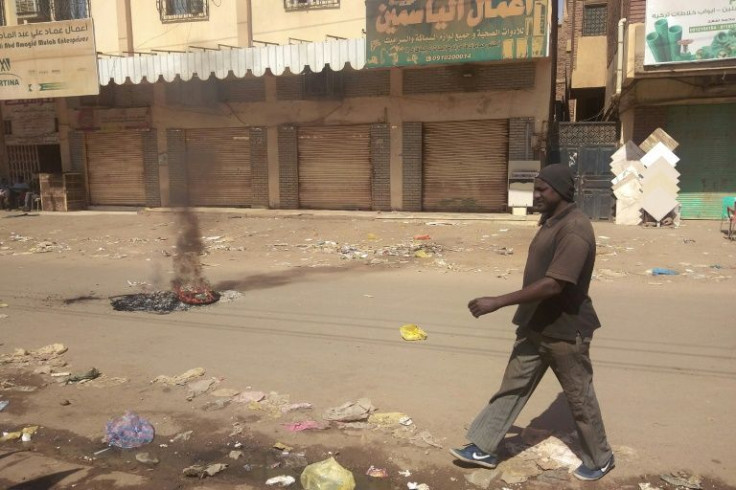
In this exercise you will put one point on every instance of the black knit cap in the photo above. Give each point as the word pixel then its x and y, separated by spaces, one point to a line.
pixel 560 178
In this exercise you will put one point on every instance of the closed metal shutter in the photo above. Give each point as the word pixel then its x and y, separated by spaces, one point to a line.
pixel 707 138
pixel 465 166
pixel 335 167
pixel 115 169
pixel 218 167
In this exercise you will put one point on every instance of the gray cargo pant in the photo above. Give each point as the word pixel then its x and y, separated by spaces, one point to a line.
pixel 533 353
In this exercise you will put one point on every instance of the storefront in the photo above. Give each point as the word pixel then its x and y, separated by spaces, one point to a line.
pixel 465 166
pixel 334 167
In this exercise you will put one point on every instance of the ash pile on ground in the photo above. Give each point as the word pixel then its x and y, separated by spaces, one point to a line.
pixel 161 302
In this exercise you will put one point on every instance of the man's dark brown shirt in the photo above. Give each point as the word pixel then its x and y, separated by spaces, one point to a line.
pixel 563 249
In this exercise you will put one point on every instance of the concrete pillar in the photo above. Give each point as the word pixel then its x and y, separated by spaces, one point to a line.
pixel 395 122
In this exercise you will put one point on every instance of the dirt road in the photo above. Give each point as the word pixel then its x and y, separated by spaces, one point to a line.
pixel 317 321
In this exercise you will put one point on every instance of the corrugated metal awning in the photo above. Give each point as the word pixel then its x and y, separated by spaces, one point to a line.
pixel 239 61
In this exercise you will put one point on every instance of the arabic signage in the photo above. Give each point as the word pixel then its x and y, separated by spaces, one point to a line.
pixel 423 32
pixel 32 121
pixel 683 31
pixel 49 59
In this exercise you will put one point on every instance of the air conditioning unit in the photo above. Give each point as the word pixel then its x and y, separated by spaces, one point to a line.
pixel 27 8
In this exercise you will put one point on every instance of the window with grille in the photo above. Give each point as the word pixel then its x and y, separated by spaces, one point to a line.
pixel 290 5
pixel 48 10
pixel 183 10
pixel 595 20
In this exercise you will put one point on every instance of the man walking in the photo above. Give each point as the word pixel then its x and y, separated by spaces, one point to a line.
pixel 555 320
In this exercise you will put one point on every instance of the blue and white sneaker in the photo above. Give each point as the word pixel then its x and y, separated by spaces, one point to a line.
pixel 585 473
pixel 474 455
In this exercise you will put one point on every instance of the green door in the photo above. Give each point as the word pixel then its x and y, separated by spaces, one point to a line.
pixel 707 151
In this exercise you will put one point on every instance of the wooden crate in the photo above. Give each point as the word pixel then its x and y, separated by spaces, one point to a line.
pixel 62 192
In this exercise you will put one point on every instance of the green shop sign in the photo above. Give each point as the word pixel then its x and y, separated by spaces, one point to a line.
pixel 683 31
pixel 424 32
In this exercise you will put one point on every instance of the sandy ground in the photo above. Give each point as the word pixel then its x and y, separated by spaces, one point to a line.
pixel 322 298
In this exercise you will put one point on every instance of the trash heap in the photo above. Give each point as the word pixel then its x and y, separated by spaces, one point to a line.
pixel 646 182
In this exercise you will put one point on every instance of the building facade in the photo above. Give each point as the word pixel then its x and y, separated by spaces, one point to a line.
pixel 691 94
pixel 198 106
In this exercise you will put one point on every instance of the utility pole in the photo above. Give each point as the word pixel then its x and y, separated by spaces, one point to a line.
pixel 552 137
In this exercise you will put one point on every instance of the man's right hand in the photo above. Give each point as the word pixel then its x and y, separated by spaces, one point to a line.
pixel 484 305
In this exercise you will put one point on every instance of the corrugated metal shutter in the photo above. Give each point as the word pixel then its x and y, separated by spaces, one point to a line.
pixel 335 167
pixel 707 137
pixel 465 166
pixel 218 167
pixel 115 169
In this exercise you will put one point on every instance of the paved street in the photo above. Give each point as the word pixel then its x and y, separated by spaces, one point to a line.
pixel 320 328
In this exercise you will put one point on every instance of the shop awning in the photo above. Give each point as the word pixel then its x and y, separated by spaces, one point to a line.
pixel 239 61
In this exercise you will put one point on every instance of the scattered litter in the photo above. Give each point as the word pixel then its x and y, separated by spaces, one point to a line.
pixel 406 421
pixel 405 473
pixel 296 406
pixel 201 471
pixel 96 453
pixel 438 223
pixel 412 332
pixel 129 431
pixel 421 254
pixel 282 447
pixel 235 455
pixel 196 388
pixel 229 295
pixel 60 375
pixel 3 305
pixel 3 404
pixel 505 251
pixel 146 458
pixel 65 403
pixel 23 434
pixel 387 419
pixel 422 237
pixel 84 376
pixel 305 425
pixel 692 483
pixel 218 404
pixel 181 379
pixel 660 271
pixel 182 436
pixel 425 439
pixel 417 486
pixel 225 393
pixel 249 396
pixel 377 472
pixel 350 411
pixel 282 481
pixel 327 475
pixel 647 486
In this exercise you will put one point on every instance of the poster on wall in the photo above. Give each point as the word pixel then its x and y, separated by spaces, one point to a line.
pixel 48 59
pixel 683 31
pixel 426 32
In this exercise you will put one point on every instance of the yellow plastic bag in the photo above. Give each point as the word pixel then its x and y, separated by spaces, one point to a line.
pixel 412 332
pixel 327 475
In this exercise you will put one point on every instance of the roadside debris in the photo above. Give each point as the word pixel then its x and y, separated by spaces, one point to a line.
pixel 129 431
pixel 84 376
pixel 305 425
pixel 202 471
pixel 3 404
pixel 353 411
pixel 374 472
pixel 24 434
pixel 146 458
pixel 681 480
pixel 327 475
pixel 181 379
pixel 661 271
pixel 282 480
pixel 412 332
